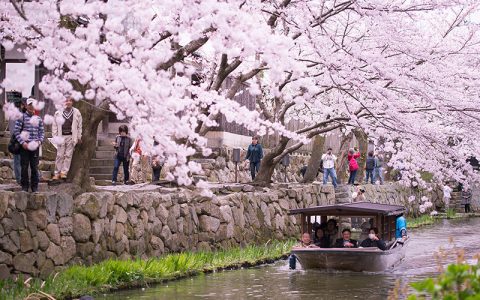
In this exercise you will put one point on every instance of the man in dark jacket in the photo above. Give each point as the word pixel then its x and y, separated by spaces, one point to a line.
pixel 254 155
pixel 373 240
pixel 346 241
pixel 30 133
pixel 122 146
pixel 370 167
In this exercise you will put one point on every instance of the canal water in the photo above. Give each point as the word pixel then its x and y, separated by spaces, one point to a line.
pixel 277 282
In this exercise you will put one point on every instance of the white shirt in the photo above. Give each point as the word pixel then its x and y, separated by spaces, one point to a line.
pixel 446 191
pixel 328 160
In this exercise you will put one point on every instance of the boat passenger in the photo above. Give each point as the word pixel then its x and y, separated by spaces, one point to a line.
pixel 320 239
pixel 373 240
pixel 401 228
pixel 346 241
pixel 366 226
pixel 306 242
pixel 331 232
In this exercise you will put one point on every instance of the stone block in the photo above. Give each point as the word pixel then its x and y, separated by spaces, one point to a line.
pixel 85 249
pixel 69 248
pixel 38 217
pixel 65 225
pixel 26 241
pixel 82 229
pixel 21 201
pixel 65 205
pixel 4 272
pixel 54 252
pixel 5 258
pixel 24 263
pixel 94 205
pixel 53 233
pixel 43 241
pixel 19 220
pixel 47 268
pixel 4 197
pixel 209 224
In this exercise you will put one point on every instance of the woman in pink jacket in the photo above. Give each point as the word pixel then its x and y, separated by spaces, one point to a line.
pixel 353 154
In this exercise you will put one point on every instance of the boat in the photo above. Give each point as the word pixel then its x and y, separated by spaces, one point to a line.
pixel 369 259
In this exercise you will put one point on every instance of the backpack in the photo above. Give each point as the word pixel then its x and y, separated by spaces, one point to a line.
pixel 14 146
pixel 370 164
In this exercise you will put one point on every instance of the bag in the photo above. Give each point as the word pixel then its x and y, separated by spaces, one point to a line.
pixel 321 165
pixel 370 165
pixel 14 146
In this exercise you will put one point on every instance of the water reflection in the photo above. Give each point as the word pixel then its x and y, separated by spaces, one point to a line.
pixel 278 282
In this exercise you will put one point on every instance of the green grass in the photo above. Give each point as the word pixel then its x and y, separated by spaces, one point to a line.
pixel 113 274
pixel 451 213
pixel 420 221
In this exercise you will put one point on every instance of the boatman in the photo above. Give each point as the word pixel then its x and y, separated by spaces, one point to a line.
pixel 401 228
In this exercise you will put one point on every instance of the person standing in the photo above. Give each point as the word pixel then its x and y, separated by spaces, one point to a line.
pixel 254 155
pixel 353 154
pixel 447 194
pixel 157 164
pixel 122 146
pixel 30 133
pixel 466 199
pixel 369 167
pixel 17 167
pixel 139 161
pixel 329 167
pixel 67 125
pixel 378 172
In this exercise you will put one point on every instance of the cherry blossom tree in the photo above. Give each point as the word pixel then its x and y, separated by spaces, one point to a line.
pixel 401 71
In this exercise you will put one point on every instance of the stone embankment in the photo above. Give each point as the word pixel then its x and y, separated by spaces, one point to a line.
pixel 41 232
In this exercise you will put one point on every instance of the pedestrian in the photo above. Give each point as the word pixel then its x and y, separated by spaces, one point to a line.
pixel 466 199
pixel 30 133
pixel 369 167
pixel 329 167
pixel 447 190
pixel 67 129
pixel 157 163
pixel 139 161
pixel 17 167
pixel 378 172
pixel 122 146
pixel 254 155
pixel 359 195
pixel 353 154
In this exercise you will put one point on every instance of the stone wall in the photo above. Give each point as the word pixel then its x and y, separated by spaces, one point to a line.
pixel 42 232
pixel 221 168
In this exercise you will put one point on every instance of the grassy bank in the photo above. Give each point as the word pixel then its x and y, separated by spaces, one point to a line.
pixel 420 221
pixel 428 220
pixel 114 274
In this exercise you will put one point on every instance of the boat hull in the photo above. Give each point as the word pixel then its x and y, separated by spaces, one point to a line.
pixel 355 259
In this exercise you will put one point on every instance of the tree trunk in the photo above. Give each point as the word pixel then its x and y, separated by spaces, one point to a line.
pixel 269 161
pixel 315 158
pixel 79 172
pixel 342 165
pixel 362 139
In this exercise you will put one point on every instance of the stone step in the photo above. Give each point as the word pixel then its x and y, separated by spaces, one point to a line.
pixel 104 154
pixel 101 170
pixel 105 148
pixel 107 177
pixel 105 142
pixel 101 162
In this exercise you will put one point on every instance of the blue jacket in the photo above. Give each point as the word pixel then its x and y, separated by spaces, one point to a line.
pixel 254 153
pixel 401 224
pixel 35 133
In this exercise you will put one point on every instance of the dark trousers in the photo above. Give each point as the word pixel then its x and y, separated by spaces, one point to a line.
pixel 369 175
pixel 116 166
pixel 467 208
pixel 351 179
pixel 29 159
pixel 254 167
pixel 156 173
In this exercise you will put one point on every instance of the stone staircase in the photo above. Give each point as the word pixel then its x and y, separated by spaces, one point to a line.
pixel 456 201
pixel 101 166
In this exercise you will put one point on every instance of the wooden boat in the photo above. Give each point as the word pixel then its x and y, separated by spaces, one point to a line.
pixel 353 259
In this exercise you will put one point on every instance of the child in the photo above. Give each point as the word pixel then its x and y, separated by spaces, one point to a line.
pixel 122 146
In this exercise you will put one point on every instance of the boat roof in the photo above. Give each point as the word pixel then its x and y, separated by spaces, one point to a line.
pixel 352 209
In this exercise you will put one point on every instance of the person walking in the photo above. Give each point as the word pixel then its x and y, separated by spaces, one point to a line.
pixel 378 171
pixel 67 127
pixel 122 145
pixel 369 167
pixel 447 194
pixel 30 133
pixel 254 155
pixel 329 167
pixel 353 154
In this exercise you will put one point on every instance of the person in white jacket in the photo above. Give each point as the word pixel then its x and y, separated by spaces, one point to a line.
pixel 67 133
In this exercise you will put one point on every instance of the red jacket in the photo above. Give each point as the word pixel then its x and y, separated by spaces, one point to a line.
pixel 352 161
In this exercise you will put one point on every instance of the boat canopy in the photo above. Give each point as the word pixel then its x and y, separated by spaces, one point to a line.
pixel 351 209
